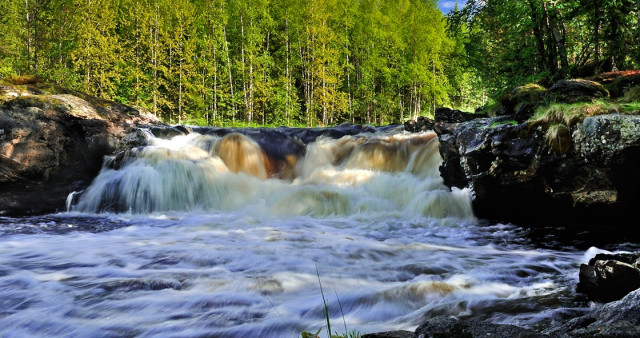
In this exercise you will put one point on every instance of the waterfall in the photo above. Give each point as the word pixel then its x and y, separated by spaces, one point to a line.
pixel 272 172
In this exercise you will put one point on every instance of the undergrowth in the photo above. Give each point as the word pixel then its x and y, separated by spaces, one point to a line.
pixel 558 119
pixel 570 114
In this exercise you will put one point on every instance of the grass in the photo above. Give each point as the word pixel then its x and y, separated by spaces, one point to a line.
pixel 347 334
pixel 558 119
pixel 570 114
pixel 500 123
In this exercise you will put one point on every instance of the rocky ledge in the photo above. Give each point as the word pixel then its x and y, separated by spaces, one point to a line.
pixel 53 144
pixel 554 169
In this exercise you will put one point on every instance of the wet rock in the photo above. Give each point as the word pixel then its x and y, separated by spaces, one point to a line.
pixel 521 102
pixel 577 90
pixel 51 145
pixel 452 327
pixel 448 115
pixel 516 170
pixel 421 124
pixel 609 277
pixel 168 132
pixel 616 319
pixel 390 334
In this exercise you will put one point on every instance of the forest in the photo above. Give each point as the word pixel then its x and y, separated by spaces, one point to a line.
pixel 309 63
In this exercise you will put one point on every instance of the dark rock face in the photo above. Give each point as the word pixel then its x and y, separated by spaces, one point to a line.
pixel 51 145
pixel 422 124
pixel 521 102
pixel 610 277
pixel 390 334
pixel 518 173
pixel 571 91
pixel 452 327
pixel 447 115
pixel 617 319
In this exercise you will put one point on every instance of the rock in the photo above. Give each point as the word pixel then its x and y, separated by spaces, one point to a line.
pixel 618 82
pixel 518 170
pixel 452 327
pixel 448 115
pixel 168 132
pixel 609 277
pixel 52 145
pixel 521 102
pixel 422 124
pixel 390 334
pixel 616 319
pixel 572 91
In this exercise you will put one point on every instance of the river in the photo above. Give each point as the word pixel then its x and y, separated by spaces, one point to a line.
pixel 216 235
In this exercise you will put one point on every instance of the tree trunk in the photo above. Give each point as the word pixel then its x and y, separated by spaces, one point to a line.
pixel 288 108
pixel 537 32
pixel 596 31
pixel 215 74
pixel 154 54
pixel 28 34
pixel 560 38
pixel 552 52
pixel 244 75
pixel 233 103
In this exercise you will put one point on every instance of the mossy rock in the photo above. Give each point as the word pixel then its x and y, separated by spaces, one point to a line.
pixel 40 101
pixel 521 98
pixel 577 90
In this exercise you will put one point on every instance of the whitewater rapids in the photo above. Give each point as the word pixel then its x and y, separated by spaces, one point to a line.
pixel 220 235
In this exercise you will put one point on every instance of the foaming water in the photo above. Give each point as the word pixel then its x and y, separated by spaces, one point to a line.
pixel 185 238
pixel 233 274
pixel 353 174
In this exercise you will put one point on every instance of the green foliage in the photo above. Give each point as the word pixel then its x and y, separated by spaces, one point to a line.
pixel 253 61
pixel 512 42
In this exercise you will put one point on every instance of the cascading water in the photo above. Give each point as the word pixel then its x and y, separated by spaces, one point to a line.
pixel 353 174
pixel 219 233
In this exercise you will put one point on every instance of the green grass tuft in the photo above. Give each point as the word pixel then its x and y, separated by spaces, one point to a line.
pixel 501 123
pixel 347 334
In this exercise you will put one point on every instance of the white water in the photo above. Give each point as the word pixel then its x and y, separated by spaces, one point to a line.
pixel 206 251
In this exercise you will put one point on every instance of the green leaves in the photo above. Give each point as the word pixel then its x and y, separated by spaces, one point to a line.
pixel 259 61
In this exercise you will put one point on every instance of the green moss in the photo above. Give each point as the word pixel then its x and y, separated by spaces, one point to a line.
pixel 501 123
pixel 528 93
pixel 489 109
pixel 571 114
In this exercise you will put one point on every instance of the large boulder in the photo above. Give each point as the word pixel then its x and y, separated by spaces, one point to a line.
pixel 448 115
pixel 51 145
pixel 616 319
pixel 609 277
pixel 452 327
pixel 576 90
pixel 529 173
pixel 521 102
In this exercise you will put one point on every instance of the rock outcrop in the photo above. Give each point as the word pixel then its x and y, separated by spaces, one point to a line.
pixel 561 168
pixel 51 145
pixel 609 277
pixel 524 172
pixel 616 319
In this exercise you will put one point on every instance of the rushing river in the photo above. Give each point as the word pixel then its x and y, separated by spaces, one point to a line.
pixel 215 235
